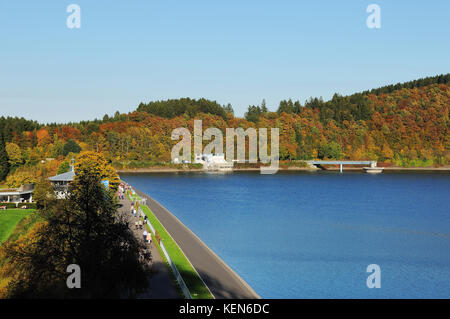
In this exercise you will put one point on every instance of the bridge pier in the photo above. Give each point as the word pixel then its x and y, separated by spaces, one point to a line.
pixel 340 168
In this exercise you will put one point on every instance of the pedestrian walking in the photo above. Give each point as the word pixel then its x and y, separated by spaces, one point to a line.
pixel 144 234
pixel 140 223
pixel 136 224
pixel 149 237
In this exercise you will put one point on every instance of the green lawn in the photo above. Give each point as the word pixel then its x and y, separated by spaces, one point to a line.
pixel 9 219
pixel 194 283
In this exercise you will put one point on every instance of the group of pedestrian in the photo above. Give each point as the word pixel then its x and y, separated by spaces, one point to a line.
pixel 121 191
pixel 124 187
pixel 139 216
pixel 140 221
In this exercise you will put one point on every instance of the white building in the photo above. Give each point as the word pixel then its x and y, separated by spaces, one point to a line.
pixel 61 183
pixel 17 195
pixel 176 160
pixel 213 162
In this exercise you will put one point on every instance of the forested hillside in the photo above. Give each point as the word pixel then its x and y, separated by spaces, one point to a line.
pixel 404 124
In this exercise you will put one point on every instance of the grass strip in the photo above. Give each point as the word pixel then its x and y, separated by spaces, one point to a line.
pixel 172 276
pixel 9 219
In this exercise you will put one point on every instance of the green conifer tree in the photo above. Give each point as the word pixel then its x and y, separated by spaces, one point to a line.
pixel 4 160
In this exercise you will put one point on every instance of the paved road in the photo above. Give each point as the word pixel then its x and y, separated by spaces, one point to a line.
pixel 222 281
pixel 161 285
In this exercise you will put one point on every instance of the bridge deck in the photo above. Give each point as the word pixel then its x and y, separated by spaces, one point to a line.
pixel 341 162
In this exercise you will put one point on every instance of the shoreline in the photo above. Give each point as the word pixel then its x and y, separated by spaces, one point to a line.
pixel 218 276
pixel 254 169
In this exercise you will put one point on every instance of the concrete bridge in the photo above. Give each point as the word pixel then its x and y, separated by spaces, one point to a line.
pixel 372 164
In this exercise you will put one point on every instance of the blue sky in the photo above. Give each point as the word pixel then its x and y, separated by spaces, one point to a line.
pixel 236 52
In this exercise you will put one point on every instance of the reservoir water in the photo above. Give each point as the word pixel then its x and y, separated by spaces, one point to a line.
pixel 313 234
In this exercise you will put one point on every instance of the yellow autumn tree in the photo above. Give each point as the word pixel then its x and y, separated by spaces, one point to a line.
pixel 22 176
pixel 94 164
pixel 14 154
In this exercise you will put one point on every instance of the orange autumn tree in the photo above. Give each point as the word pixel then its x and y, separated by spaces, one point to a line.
pixel 43 137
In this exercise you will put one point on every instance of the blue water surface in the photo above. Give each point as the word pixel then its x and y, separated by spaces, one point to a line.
pixel 313 234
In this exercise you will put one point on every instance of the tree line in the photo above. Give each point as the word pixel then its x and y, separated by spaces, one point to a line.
pixel 176 107
pixel 339 108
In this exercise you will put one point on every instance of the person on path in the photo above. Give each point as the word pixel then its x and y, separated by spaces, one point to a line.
pixel 137 224
pixel 149 237
pixel 140 223
pixel 144 234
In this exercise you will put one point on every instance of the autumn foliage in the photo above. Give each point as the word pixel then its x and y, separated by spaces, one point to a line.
pixel 91 163
pixel 404 125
